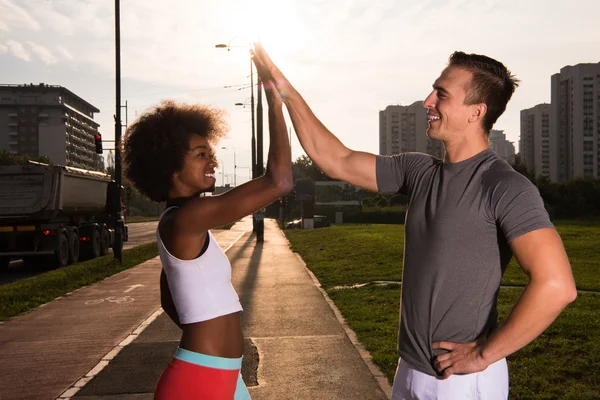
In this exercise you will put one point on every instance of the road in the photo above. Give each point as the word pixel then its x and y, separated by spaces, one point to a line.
pixel 139 233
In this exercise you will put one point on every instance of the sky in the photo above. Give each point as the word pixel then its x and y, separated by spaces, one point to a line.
pixel 349 59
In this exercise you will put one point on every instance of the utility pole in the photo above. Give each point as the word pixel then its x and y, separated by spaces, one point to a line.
pixel 118 244
pixel 259 216
pixel 254 175
pixel 259 129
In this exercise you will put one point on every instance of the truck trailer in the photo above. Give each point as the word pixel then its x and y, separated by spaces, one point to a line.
pixel 56 214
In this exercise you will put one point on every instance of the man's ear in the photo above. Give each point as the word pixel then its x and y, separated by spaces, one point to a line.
pixel 478 112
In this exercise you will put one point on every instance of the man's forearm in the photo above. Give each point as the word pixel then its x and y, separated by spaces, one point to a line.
pixel 319 143
pixel 539 305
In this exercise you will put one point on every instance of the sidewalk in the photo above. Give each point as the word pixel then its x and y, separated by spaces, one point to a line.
pixel 296 348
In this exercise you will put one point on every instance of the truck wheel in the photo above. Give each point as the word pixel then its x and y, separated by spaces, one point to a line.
pixel 61 254
pixel 96 244
pixel 74 248
pixel 105 242
pixel 4 262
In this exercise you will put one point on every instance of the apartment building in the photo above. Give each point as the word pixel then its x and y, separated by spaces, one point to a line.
pixel 502 147
pixel 48 120
pixel 536 148
pixel 575 121
pixel 403 129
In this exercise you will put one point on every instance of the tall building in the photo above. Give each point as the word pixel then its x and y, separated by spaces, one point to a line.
pixel 44 120
pixel 575 123
pixel 536 148
pixel 403 129
pixel 502 147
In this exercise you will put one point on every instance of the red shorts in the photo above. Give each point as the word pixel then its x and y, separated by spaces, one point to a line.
pixel 185 380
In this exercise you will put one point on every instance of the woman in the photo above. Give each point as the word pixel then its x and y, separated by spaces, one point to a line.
pixel 168 157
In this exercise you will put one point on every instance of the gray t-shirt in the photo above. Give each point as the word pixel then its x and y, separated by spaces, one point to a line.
pixel 460 219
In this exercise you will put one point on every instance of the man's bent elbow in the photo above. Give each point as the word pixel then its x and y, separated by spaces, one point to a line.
pixel 571 294
pixel 565 293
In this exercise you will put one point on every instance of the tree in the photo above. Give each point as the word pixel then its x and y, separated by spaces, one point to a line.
pixel 110 164
pixel 520 167
pixel 7 158
pixel 304 168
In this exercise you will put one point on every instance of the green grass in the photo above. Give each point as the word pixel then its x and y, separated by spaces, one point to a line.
pixel 349 254
pixel 133 220
pixel 582 243
pixel 562 363
pixel 24 295
pixel 374 252
pixel 373 313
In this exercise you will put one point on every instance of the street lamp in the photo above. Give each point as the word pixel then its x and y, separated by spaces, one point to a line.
pixel 234 163
pixel 244 104
pixel 253 141
pixel 257 141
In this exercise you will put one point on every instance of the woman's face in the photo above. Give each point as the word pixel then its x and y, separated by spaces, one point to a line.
pixel 198 172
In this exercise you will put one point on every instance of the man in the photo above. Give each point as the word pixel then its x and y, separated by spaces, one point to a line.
pixel 468 214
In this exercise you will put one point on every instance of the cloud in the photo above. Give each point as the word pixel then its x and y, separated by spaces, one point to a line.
pixel 14 16
pixel 43 53
pixel 17 50
pixel 64 53
pixel 53 18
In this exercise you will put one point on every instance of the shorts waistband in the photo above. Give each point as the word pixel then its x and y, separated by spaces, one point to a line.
pixel 208 361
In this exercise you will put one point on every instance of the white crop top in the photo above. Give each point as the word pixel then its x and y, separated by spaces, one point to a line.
pixel 201 288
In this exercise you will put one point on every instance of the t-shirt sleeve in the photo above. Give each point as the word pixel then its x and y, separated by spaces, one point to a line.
pixel 517 206
pixel 398 172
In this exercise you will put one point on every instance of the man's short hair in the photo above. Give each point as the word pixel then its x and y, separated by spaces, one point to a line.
pixel 492 84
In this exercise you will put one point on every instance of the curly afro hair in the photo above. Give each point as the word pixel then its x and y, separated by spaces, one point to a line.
pixel 154 146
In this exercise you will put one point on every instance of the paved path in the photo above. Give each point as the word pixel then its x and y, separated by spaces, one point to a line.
pixel 112 339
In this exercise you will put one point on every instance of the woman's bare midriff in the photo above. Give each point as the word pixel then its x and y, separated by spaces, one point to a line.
pixel 220 337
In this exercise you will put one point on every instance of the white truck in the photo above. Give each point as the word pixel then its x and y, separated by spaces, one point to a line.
pixel 56 212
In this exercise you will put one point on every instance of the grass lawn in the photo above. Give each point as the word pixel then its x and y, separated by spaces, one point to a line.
pixel 562 363
pixel 137 218
pixel 582 243
pixel 374 252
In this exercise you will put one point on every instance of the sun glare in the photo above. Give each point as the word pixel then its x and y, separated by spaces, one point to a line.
pixel 271 22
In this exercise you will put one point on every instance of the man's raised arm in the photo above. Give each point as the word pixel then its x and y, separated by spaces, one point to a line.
pixel 325 149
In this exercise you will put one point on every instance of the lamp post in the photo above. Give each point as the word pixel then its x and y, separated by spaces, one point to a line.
pixel 118 244
pixel 234 164
pixel 253 141
pixel 257 151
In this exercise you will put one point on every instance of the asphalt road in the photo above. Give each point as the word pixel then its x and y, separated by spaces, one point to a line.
pixel 139 233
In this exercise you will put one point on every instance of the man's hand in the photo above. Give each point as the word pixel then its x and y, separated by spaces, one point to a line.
pixel 268 71
pixel 461 358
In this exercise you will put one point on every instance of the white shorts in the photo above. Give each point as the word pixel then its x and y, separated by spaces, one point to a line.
pixel 491 384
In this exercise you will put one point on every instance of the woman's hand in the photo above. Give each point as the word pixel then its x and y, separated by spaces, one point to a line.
pixel 270 75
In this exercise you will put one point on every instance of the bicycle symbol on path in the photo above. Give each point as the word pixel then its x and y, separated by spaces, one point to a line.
pixel 110 299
